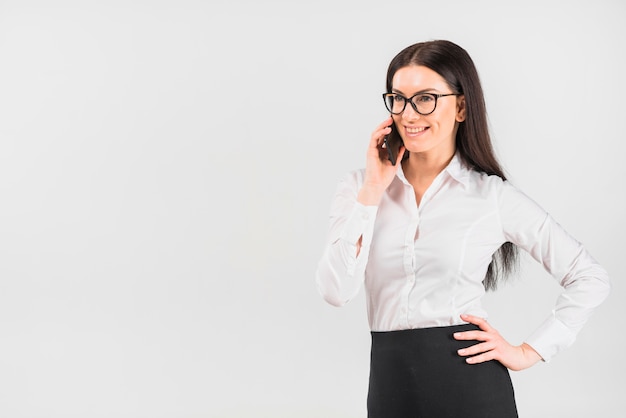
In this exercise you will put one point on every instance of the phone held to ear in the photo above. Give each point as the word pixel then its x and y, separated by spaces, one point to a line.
pixel 393 142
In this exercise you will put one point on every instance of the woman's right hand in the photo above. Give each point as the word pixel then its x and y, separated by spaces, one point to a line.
pixel 379 171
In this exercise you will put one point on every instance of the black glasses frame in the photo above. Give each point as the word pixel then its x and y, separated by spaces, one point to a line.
pixel 413 105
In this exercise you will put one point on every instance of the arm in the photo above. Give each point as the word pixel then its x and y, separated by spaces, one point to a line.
pixel 584 281
pixel 341 270
pixel 585 286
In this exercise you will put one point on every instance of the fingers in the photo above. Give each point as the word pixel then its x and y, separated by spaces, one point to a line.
pixel 476 320
pixel 481 358
pixel 379 133
pixel 476 349
pixel 385 124
pixel 470 336
pixel 478 335
pixel 481 352
pixel 400 156
pixel 488 337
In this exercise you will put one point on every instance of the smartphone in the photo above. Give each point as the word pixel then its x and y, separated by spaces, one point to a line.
pixel 393 142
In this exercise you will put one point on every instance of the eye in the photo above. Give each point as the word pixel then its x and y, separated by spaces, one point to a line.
pixel 397 98
pixel 424 98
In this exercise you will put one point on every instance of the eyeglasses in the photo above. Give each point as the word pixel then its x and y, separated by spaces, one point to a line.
pixel 422 103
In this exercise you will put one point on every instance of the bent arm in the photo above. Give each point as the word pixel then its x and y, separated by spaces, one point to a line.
pixel 341 269
pixel 584 281
pixel 585 286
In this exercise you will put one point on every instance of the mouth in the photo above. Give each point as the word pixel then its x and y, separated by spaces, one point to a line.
pixel 415 130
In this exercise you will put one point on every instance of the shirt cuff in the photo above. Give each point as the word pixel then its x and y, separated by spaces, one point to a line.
pixel 360 223
pixel 551 338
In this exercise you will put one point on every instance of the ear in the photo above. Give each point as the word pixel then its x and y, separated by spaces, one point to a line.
pixel 460 108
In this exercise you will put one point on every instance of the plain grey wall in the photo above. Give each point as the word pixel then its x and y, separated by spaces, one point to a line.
pixel 166 169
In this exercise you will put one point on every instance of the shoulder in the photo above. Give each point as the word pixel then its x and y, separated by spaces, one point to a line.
pixel 353 177
pixel 503 193
pixel 473 180
pixel 485 184
pixel 351 181
pixel 490 182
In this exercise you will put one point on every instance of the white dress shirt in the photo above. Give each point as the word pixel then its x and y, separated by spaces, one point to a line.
pixel 424 266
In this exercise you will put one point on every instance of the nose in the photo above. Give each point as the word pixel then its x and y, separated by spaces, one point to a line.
pixel 409 113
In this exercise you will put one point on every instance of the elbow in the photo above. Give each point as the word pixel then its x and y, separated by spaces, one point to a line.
pixel 331 293
pixel 332 296
pixel 607 287
pixel 603 283
pixel 335 300
pixel 337 286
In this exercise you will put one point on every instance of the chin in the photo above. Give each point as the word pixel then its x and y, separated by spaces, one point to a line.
pixel 415 148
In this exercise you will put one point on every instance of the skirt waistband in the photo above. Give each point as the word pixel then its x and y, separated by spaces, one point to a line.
pixel 423 336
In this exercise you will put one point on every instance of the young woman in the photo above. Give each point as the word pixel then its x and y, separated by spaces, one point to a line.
pixel 428 235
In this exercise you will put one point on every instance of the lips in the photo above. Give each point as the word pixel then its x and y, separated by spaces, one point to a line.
pixel 415 130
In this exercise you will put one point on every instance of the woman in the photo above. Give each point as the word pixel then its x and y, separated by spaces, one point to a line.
pixel 428 235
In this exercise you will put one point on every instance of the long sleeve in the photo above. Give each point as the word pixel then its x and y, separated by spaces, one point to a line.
pixel 585 283
pixel 340 272
pixel 422 266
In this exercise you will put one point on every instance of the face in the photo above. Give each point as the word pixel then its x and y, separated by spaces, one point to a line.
pixel 433 133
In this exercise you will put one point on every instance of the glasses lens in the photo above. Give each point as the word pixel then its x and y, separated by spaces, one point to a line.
pixel 394 103
pixel 425 103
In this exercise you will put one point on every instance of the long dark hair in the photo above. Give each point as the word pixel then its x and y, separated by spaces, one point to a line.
pixel 473 142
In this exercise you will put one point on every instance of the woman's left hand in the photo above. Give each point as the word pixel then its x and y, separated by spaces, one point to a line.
pixel 493 347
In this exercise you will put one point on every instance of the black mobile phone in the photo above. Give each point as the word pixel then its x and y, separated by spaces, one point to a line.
pixel 393 142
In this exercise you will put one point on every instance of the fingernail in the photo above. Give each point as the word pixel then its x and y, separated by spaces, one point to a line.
pixel 461 351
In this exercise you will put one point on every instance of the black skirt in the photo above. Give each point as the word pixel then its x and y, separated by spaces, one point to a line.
pixel 418 374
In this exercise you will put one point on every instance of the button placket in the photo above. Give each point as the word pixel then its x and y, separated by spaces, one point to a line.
pixel 409 255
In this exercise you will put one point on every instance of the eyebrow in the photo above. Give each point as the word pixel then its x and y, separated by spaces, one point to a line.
pixel 428 90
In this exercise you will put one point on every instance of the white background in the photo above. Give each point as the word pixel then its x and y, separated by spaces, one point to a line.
pixel 166 169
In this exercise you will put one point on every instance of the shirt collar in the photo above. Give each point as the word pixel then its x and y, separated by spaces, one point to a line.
pixel 455 169
pixel 458 170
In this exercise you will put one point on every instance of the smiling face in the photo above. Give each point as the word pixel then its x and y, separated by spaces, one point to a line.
pixel 434 133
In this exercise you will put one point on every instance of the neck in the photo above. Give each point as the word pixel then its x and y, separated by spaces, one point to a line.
pixel 424 167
